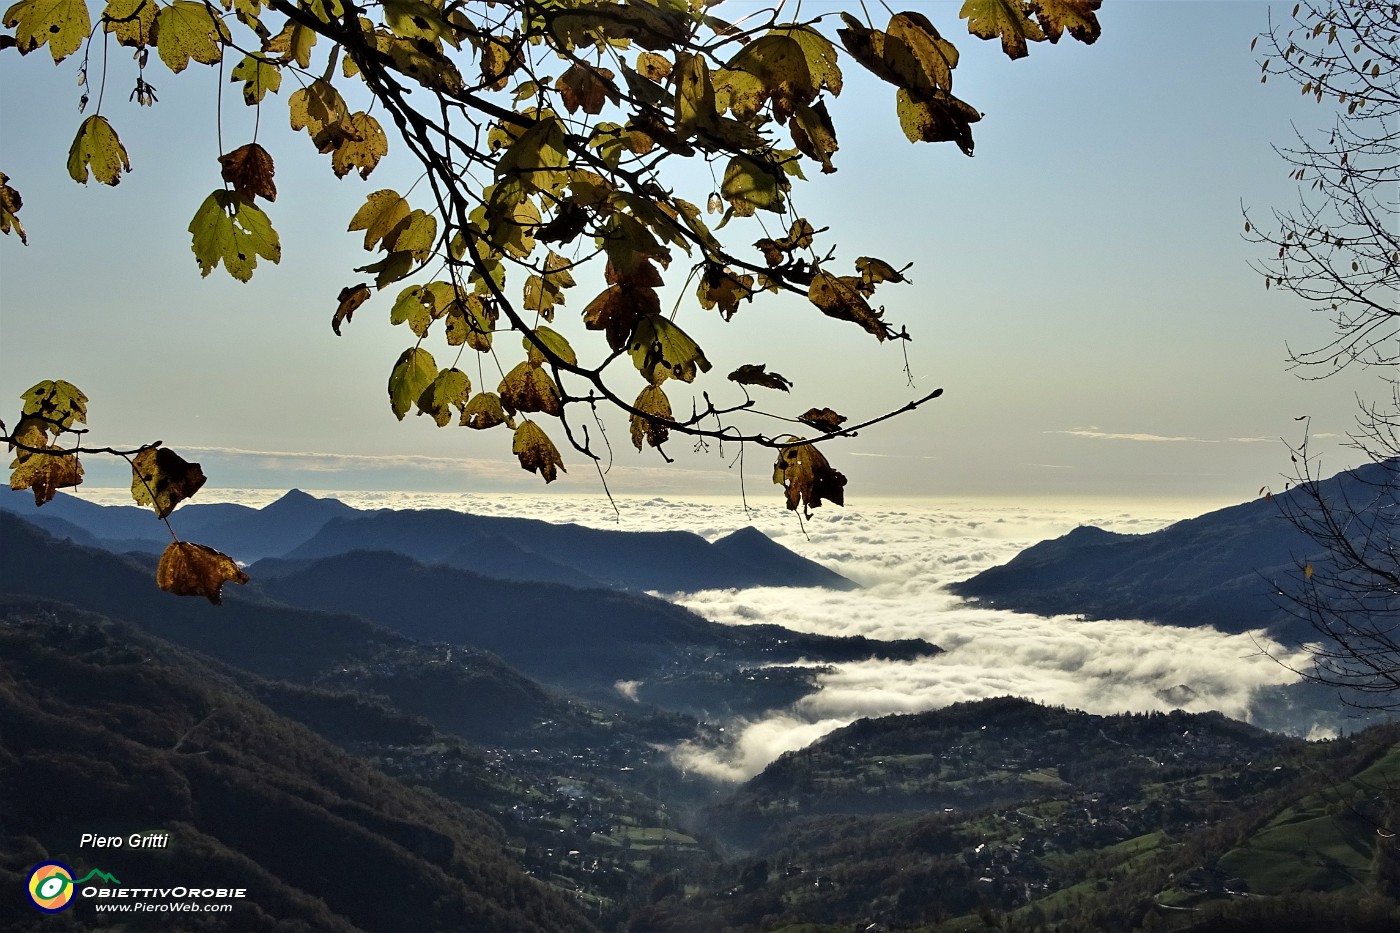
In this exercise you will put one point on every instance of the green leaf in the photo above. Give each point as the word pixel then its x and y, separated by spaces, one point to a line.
pixel 63 24
pixel 188 30
pixel 410 308
pixel 412 374
pixel 527 387
pixel 652 403
pixel 748 186
pixel 841 298
pixel 231 229
pixel 163 479
pixel 260 77
pixel 556 343
pixel 1008 19
pixel 484 411
pixel 536 452
pixel 415 234
pixel 379 216
pixel 451 387
pixel 538 158
pixel 660 350
pixel 98 148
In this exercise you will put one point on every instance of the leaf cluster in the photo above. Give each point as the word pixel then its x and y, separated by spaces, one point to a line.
pixel 547 136
pixel 46 442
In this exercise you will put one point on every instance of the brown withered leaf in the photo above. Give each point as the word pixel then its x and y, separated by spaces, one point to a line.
pixel 824 420
pixel 350 298
pixel 587 88
pixel 10 203
pixel 528 387
pixel 163 479
pixel 807 478
pixel 841 298
pixel 756 374
pixel 188 569
pixel 722 287
pixel 618 309
pixel 249 169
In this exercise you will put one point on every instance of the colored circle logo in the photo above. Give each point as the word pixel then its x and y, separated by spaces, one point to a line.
pixel 51 887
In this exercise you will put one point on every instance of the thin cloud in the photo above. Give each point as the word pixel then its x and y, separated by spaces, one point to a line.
pixel 1162 438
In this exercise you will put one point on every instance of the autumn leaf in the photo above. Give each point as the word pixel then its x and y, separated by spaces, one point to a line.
pixel 188 569
pixel 653 67
pixel 63 24
pixel 920 58
pixel 163 479
pixel 544 291
pixel 536 452
pixel 10 203
pixel 293 44
pixel 97 147
pixel 942 118
pixel 756 374
pixel 450 388
pixel 471 320
pixel 653 404
pixel 45 473
pixel 528 387
pixel 133 22
pixel 874 271
pixel 379 216
pixel 1073 16
pixel 823 419
pixel 586 88
pixel 660 350
pixel 721 287
pixel 618 308
pixel 350 298
pixel 249 169
pixel 412 374
pixel 315 107
pixel 188 30
pixel 231 229
pixel 1008 19
pixel 365 144
pixel 841 298
pixel 56 403
pixel 484 411
pixel 807 478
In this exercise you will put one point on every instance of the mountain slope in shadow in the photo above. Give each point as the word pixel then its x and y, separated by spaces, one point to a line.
pixel 110 731
pixel 1223 569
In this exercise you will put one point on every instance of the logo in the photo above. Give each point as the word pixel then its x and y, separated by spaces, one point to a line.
pixel 51 885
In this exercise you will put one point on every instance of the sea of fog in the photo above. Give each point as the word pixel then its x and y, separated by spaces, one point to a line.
pixel 903 553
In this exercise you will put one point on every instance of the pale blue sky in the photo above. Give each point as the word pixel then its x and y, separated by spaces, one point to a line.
pixel 1081 288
